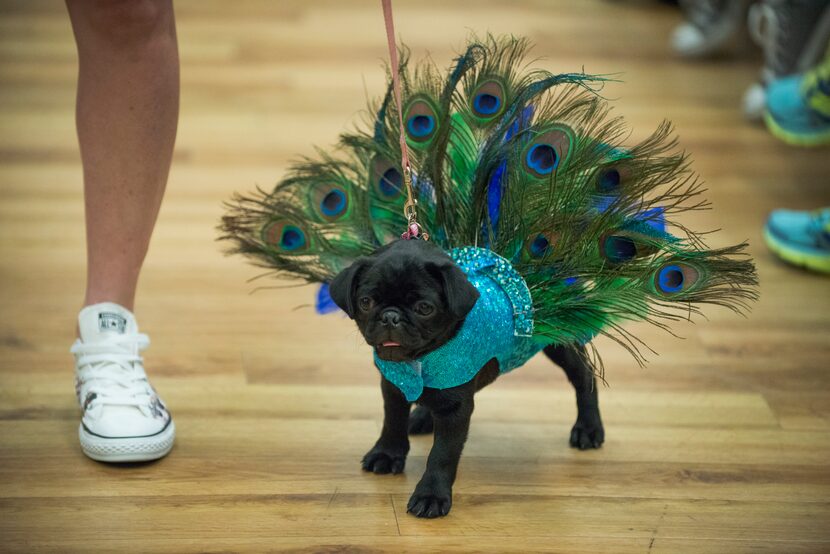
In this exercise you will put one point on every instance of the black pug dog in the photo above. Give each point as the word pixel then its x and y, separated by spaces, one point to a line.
pixel 408 298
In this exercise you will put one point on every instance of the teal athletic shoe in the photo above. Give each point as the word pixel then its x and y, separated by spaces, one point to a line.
pixel 798 107
pixel 793 35
pixel 800 238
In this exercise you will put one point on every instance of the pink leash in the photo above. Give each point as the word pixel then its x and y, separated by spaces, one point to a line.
pixel 409 211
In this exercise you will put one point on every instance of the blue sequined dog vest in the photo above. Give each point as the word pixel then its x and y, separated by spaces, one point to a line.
pixel 500 326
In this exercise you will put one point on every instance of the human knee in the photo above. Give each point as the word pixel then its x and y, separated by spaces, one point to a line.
pixel 126 23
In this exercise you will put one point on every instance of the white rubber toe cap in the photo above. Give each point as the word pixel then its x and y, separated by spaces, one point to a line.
pixel 688 41
pixel 754 102
pixel 127 449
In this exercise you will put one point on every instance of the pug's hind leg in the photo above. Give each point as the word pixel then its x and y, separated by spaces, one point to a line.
pixel 588 431
pixel 420 421
pixel 389 453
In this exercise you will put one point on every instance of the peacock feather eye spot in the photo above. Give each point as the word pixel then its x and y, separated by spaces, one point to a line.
pixel 539 246
pixel 422 121
pixel 330 201
pixel 285 236
pixel 542 158
pixel 609 180
pixel 420 126
pixel 333 203
pixel 488 100
pixel 486 104
pixel 548 152
pixel 292 238
pixel 390 183
pixel 670 279
pixel 385 182
pixel 620 249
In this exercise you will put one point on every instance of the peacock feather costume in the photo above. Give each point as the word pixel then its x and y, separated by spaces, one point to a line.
pixel 522 177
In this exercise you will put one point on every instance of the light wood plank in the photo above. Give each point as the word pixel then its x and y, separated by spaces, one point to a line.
pixel 719 445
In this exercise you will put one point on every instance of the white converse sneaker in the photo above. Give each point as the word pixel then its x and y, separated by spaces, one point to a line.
pixel 123 420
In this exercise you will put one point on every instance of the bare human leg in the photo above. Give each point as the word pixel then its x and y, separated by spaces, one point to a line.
pixel 127 113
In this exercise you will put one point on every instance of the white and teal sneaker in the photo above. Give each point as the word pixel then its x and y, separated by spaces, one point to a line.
pixel 798 107
pixel 793 35
pixel 800 238
pixel 124 420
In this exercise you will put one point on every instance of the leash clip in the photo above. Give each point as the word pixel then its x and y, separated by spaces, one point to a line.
pixel 410 209
pixel 414 232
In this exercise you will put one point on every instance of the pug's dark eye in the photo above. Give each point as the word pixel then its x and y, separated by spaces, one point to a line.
pixel 424 308
pixel 365 303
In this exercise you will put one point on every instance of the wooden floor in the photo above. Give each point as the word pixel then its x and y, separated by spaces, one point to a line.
pixel 721 444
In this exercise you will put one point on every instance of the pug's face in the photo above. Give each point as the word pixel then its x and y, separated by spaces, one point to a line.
pixel 407 298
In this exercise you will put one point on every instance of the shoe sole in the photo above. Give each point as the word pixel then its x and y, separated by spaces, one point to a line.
pixel 814 262
pixel 793 138
pixel 132 449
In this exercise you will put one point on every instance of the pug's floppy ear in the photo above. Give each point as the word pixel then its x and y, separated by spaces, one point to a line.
pixel 461 295
pixel 342 287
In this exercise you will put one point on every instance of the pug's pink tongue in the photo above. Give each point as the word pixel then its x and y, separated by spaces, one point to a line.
pixel 389 343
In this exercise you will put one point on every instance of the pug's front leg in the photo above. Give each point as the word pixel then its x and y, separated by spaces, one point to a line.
pixel 389 453
pixel 433 494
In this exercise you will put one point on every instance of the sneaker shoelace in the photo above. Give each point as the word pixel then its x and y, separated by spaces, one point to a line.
pixel 111 372
pixel 815 88
pixel 765 27
pixel 820 227
pixel 790 34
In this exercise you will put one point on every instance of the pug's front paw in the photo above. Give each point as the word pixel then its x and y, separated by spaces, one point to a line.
pixel 587 433
pixel 430 503
pixel 381 460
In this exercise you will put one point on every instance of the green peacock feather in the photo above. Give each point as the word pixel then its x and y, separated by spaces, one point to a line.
pixel 526 163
